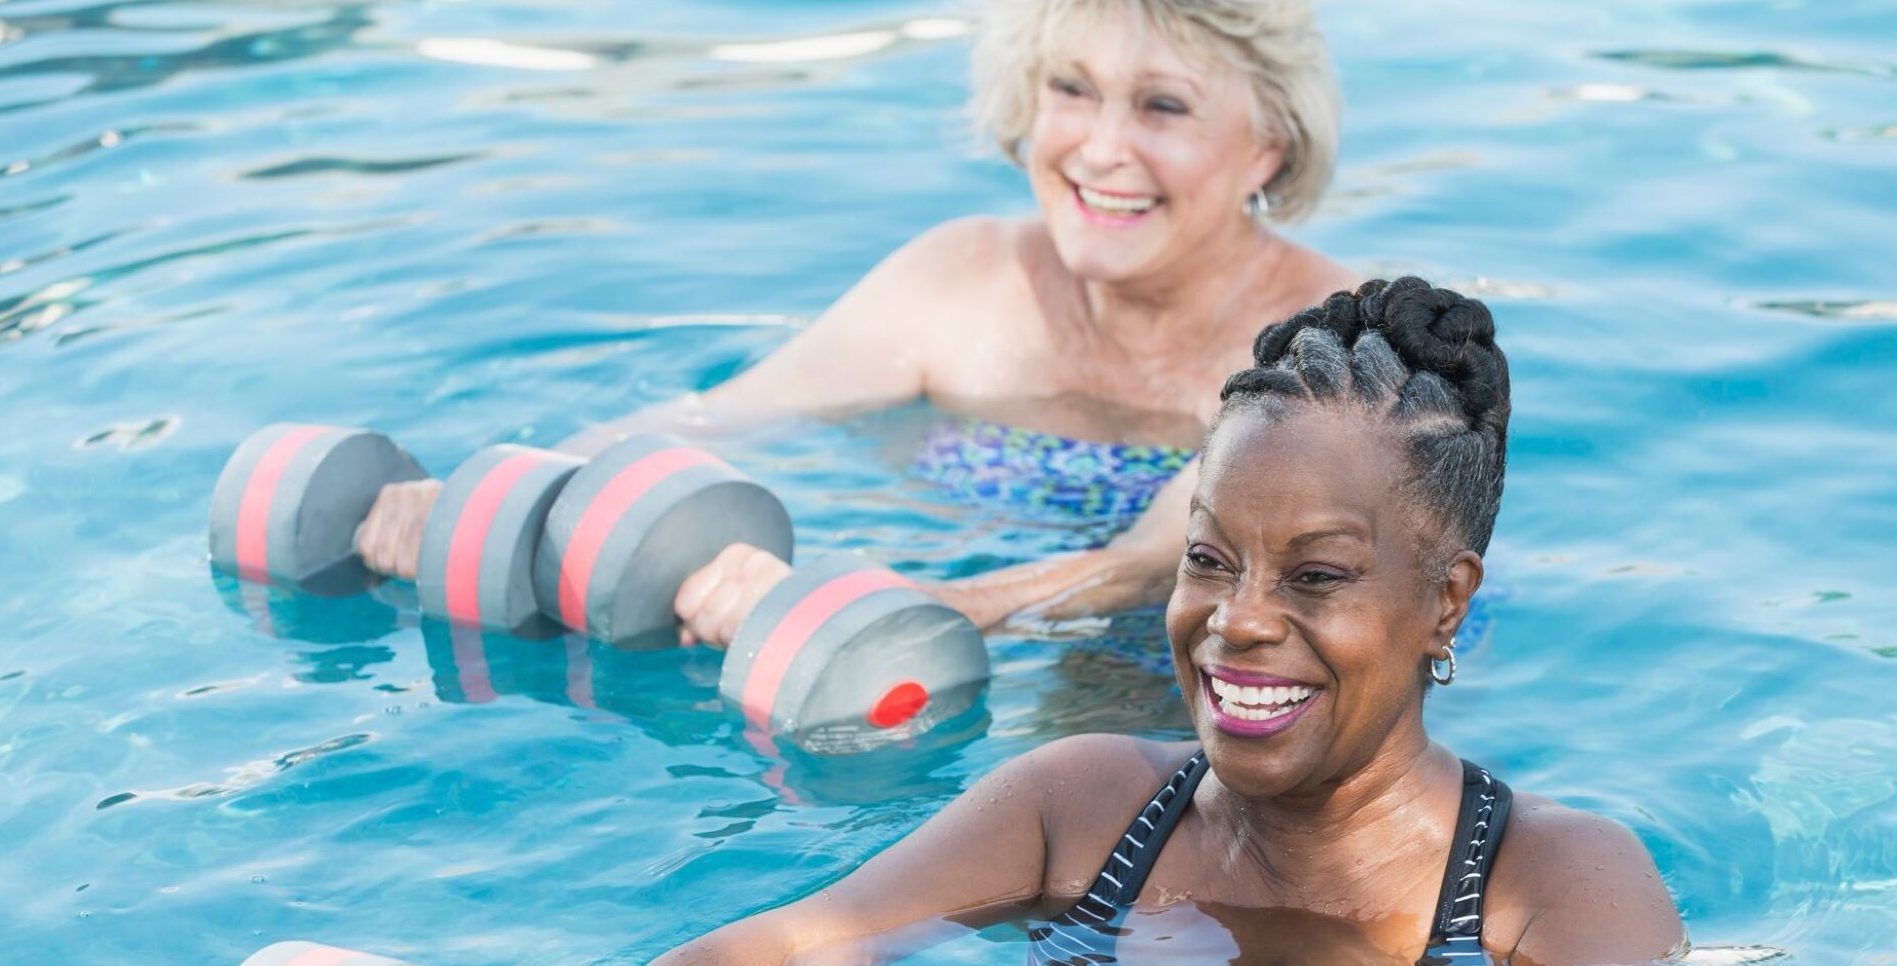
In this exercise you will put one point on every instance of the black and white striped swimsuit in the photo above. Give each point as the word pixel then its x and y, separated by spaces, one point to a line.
pixel 1085 935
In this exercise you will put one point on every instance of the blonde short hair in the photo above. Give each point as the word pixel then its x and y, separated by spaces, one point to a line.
pixel 1273 43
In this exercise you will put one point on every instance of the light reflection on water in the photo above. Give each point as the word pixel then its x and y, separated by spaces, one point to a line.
pixel 469 223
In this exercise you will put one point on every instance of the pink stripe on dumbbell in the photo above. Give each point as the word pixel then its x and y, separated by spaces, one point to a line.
pixel 465 548
pixel 612 501
pixel 794 630
pixel 470 664
pixel 253 512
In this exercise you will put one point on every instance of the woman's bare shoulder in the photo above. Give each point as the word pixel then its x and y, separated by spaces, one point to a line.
pixel 1566 881
pixel 1096 763
pixel 1318 277
pixel 1093 785
pixel 975 246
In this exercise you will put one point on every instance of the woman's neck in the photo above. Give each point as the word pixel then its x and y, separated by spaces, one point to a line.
pixel 1393 814
pixel 1188 303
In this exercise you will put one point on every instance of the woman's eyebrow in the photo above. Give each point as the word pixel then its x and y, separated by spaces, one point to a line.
pixel 1313 536
pixel 1189 83
pixel 1198 511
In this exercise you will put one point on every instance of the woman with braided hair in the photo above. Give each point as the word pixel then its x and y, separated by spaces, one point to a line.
pixel 1336 534
pixel 1075 351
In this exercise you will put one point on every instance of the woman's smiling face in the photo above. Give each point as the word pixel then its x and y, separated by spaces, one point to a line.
pixel 1304 608
pixel 1138 156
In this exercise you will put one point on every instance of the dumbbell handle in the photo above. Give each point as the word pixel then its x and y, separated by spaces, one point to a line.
pixel 389 540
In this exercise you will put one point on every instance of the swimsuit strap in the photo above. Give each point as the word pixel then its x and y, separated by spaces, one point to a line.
pixel 1086 932
pixel 1457 930
pixel 1139 846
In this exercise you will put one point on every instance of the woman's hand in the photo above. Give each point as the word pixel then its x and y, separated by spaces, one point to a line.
pixel 390 538
pixel 714 602
pixel 985 606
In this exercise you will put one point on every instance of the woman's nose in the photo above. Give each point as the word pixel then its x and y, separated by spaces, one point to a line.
pixel 1251 617
pixel 1108 142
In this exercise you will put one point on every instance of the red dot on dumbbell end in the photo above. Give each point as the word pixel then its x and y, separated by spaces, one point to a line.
pixel 898 704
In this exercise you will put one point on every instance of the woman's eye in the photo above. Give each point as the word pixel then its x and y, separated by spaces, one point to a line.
pixel 1065 87
pixel 1200 560
pixel 1167 105
pixel 1317 579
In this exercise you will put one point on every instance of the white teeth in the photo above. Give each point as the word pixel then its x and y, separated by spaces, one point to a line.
pixel 1255 703
pixel 1117 204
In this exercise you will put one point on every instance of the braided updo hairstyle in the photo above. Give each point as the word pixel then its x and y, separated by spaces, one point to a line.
pixel 1421 359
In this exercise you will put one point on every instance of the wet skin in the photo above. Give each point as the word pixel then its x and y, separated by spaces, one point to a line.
pixel 1304 565
pixel 1326 835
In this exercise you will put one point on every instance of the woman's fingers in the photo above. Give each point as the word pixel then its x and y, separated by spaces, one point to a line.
pixel 714 602
pixel 390 537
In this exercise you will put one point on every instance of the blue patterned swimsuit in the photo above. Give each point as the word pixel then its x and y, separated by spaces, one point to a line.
pixel 1051 477
pixel 1103 485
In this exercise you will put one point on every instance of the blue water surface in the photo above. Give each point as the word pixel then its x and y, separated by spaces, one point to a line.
pixel 473 222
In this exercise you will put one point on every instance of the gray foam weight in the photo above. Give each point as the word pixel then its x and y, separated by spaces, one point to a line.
pixel 327 485
pixel 520 485
pixel 688 507
pixel 873 643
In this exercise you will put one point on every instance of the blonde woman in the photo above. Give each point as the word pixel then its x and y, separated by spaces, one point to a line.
pixel 1161 139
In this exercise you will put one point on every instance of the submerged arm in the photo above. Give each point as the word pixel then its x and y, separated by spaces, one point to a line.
pixel 1134 569
pixel 980 860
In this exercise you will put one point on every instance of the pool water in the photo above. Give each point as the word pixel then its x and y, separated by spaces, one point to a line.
pixel 473 222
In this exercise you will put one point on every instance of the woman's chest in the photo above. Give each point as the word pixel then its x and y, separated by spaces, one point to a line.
pixel 1046 367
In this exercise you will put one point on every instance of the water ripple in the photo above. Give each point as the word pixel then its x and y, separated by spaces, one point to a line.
pixel 580 55
pixel 1874 132
pixel 124 70
pixel 103 141
pixel 31 207
pixel 1733 60
pixel 142 434
pixel 245 776
pixel 24 314
pixel 1848 310
pixel 331 165
pixel 12 265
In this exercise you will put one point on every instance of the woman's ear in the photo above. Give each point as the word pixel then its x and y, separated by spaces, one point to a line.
pixel 1267 160
pixel 1465 576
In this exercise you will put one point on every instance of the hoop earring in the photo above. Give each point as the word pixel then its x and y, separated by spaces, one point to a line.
pixel 1444 677
pixel 1258 205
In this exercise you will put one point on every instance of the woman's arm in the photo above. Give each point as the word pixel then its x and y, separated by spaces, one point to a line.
pixel 1587 890
pixel 868 350
pixel 1133 569
pixel 982 859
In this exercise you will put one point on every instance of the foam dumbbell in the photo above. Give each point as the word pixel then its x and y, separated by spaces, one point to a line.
pixel 634 523
pixel 286 506
pixel 838 647
pixel 479 542
pixel 842 650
